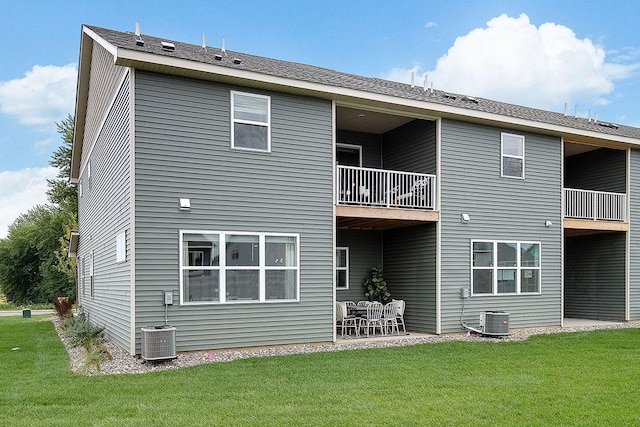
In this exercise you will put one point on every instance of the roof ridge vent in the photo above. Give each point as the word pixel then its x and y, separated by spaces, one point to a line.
pixel 609 125
pixel 449 96
pixel 168 46
pixel 137 36
pixel 469 99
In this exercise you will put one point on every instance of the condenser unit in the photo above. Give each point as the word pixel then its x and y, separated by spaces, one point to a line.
pixel 158 342
pixel 494 323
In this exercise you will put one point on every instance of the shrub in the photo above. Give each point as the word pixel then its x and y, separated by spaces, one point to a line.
pixel 79 332
pixel 63 306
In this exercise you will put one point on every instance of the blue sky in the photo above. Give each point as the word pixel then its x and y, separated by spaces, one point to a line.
pixel 537 53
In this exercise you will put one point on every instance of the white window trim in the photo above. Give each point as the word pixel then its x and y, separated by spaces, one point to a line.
pixel 266 124
pixel 346 268
pixel 503 155
pixel 222 268
pixel 121 247
pixel 495 268
pixel 91 280
pixel 351 147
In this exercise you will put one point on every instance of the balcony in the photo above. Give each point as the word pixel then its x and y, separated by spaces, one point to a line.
pixel 595 210
pixel 377 198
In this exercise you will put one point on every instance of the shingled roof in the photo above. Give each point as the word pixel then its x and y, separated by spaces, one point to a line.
pixel 433 100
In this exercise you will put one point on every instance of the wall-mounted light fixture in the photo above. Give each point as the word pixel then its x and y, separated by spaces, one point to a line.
pixel 184 204
pixel 548 223
pixel 465 218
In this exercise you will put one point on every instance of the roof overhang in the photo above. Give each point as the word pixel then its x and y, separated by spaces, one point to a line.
pixel 347 96
pixel 82 97
pixel 74 239
pixel 342 96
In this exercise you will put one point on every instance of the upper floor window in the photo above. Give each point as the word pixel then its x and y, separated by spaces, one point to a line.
pixel 512 154
pixel 250 121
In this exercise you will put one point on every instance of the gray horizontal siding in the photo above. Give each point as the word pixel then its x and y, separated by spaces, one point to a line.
pixel 634 235
pixel 183 150
pixel 410 272
pixel 371 146
pixel 595 276
pixel 103 84
pixel 411 147
pixel 104 212
pixel 500 209
pixel 598 170
pixel 365 252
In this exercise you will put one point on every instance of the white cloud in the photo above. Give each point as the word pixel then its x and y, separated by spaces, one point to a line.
pixel 430 24
pixel 42 147
pixel 45 95
pixel 20 191
pixel 514 61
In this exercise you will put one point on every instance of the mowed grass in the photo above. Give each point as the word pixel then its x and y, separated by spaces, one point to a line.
pixel 581 379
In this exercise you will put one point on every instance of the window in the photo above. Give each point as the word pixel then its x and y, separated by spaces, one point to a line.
pixel 250 121
pixel 512 156
pixel 342 268
pixel 83 264
pixel 221 267
pixel 505 268
pixel 349 155
pixel 91 288
pixel 121 247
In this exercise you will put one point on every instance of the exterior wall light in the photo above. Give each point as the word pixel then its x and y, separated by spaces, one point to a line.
pixel 465 218
pixel 548 223
pixel 184 204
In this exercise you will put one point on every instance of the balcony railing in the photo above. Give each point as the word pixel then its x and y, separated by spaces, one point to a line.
pixel 595 205
pixel 385 188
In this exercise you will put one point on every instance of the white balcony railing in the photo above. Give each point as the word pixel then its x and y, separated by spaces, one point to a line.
pixel 596 205
pixel 385 188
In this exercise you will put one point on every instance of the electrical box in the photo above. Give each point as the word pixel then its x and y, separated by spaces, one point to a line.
pixel 464 292
pixel 168 298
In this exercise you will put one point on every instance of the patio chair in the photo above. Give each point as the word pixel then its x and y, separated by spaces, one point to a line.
pixel 390 317
pixel 373 318
pixel 400 318
pixel 363 303
pixel 345 320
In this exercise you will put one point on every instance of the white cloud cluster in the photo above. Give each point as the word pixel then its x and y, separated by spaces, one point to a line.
pixel 514 61
pixel 45 95
pixel 20 191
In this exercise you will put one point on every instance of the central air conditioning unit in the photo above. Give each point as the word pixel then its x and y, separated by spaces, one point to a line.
pixel 494 323
pixel 158 342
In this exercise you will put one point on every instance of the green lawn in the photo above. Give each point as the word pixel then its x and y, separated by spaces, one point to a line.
pixel 560 379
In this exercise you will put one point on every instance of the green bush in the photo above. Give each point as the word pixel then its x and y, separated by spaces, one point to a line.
pixel 81 333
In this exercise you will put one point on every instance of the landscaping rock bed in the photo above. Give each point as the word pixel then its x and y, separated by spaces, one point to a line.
pixel 124 363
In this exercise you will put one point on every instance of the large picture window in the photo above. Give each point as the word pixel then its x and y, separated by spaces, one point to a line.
pixel 250 121
pixel 221 267
pixel 342 268
pixel 499 267
pixel 512 156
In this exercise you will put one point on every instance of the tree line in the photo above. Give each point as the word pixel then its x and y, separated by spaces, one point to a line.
pixel 34 266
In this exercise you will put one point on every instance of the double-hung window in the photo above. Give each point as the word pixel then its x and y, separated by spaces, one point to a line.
pixel 505 267
pixel 512 156
pixel 250 121
pixel 238 267
pixel 342 268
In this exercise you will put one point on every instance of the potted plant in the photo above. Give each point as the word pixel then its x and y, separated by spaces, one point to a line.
pixel 376 287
